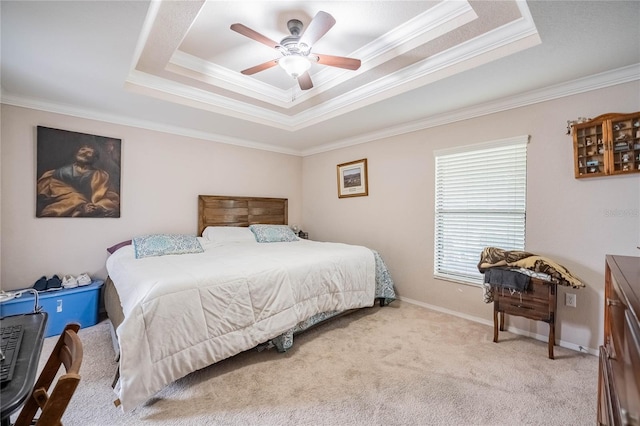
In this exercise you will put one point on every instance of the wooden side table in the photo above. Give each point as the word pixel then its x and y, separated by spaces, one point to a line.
pixel 537 303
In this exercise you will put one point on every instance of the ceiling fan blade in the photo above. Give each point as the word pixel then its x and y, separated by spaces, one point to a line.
pixel 304 81
pixel 261 67
pixel 248 32
pixel 338 61
pixel 319 25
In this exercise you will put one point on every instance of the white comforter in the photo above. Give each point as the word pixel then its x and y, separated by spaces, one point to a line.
pixel 185 312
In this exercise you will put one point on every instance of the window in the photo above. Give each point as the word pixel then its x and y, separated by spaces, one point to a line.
pixel 480 202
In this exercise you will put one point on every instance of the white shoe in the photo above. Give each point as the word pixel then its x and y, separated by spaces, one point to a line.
pixel 69 282
pixel 83 279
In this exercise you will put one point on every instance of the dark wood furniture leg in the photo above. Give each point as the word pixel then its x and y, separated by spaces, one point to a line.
pixel 552 338
pixel 553 290
pixel 495 321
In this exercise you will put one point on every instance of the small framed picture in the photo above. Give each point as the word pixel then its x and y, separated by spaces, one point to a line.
pixel 352 179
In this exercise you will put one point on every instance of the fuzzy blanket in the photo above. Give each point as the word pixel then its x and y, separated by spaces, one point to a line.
pixel 558 274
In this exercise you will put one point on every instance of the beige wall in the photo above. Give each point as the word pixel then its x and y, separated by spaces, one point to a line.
pixel 575 222
pixel 162 175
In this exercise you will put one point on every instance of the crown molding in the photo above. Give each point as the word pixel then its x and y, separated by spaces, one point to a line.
pixel 156 87
pixel 84 113
pixel 598 81
pixel 438 20
pixel 515 36
pixel 199 69
pixel 434 22
pixel 574 87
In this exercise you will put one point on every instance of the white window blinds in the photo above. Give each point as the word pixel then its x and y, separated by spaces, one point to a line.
pixel 480 202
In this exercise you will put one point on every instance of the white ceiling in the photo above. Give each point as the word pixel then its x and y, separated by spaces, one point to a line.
pixel 175 66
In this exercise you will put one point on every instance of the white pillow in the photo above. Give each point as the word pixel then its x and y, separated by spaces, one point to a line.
pixel 228 234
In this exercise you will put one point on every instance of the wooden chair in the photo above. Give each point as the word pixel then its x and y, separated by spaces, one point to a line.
pixel 67 352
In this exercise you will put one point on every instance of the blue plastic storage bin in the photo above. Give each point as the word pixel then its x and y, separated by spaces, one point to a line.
pixel 63 306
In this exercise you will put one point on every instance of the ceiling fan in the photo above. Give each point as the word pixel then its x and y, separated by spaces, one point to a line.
pixel 296 49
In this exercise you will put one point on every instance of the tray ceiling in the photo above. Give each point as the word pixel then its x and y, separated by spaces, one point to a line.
pixel 189 55
pixel 174 66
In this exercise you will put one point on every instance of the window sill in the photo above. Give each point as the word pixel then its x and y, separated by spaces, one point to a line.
pixel 457 281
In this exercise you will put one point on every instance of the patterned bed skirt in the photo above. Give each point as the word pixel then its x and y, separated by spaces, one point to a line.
pixel 384 292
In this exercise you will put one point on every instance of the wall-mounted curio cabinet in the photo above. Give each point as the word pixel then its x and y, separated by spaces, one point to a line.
pixel 607 145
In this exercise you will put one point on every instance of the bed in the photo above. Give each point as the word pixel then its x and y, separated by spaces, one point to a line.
pixel 173 314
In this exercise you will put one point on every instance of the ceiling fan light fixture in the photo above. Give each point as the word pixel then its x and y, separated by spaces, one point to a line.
pixel 296 49
pixel 294 65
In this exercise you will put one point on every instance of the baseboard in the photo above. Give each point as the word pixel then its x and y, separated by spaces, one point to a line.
pixel 511 329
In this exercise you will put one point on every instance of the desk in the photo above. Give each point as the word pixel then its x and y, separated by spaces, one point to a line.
pixel 15 392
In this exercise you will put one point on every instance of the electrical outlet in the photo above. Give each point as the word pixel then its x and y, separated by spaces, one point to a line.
pixel 570 299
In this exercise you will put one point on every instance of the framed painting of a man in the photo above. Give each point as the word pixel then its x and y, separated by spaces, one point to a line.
pixel 78 175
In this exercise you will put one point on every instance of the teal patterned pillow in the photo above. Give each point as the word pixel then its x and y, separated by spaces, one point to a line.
pixel 273 233
pixel 162 244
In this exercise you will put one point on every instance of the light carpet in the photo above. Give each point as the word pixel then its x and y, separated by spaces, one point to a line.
pixel 397 365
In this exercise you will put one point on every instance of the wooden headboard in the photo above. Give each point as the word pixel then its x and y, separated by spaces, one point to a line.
pixel 222 210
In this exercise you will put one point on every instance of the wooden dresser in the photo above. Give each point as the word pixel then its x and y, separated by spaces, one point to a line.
pixel 619 372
